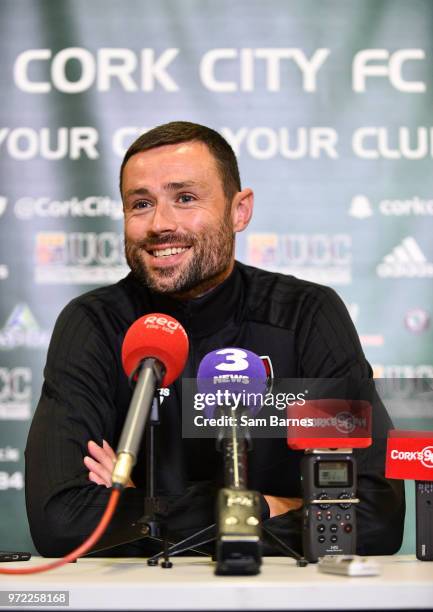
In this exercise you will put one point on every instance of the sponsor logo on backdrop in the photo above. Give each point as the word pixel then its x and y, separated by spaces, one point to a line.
pixel 11 481
pixel 79 258
pixel 21 330
pixel 402 371
pixel 353 310
pixel 406 390
pixel 360 207
pixel 15 394
pixel 366 339
pixel 3 204
pixel 417 320
pixel 9 454
pixel 92 207
pixel 372 339
pixel 402 208
pixel 322 258
pixel 406 260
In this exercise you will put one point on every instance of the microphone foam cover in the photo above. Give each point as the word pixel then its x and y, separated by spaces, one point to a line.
pixel 236 370
pixel 159 336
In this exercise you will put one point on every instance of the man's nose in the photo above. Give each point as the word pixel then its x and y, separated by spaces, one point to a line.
pixel 163 218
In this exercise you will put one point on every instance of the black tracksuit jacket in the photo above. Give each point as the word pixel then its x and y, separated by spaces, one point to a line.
pixel 305 330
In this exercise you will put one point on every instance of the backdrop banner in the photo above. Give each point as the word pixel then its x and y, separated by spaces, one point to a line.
pixel 327 105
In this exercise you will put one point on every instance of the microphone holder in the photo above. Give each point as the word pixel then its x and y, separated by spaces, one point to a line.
pixel 250 563
pixel 150 526
pixel 209 533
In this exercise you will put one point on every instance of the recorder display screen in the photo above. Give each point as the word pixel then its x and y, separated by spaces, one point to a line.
pixel 333 474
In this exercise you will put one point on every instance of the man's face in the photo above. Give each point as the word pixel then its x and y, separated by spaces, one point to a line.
pixel 179 234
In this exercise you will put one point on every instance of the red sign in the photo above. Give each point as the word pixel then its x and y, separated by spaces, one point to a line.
pixel 329 423
pixel 409 455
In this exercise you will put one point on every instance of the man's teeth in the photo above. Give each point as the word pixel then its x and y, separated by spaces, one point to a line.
pixel 169 251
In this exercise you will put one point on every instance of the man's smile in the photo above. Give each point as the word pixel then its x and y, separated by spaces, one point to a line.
pixel 165 252
pixel 165 256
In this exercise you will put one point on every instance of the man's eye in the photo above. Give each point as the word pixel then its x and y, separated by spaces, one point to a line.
pixel 185 198
pixel 141 204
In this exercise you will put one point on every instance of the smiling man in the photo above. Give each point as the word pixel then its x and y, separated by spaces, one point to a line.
pixel 183 205
pixel 180 219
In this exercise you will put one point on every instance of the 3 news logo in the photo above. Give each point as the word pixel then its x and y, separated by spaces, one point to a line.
pixel 79 258
pixel 15 394
pixel 321 258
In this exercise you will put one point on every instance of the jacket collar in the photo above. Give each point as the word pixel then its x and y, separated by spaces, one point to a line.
pixel 207 314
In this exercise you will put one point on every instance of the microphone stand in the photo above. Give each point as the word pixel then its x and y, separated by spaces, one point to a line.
pixel 150 526
pixel 236 474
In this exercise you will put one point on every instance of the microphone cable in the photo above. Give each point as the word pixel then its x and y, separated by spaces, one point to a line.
pixel 157 337
pixel 80 550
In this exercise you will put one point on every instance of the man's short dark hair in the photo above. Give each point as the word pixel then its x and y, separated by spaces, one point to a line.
pixel 184 131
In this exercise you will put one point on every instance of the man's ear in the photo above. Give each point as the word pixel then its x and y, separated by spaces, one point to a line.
pixel 242 209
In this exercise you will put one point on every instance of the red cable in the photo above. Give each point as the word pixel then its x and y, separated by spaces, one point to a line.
pixel 83 548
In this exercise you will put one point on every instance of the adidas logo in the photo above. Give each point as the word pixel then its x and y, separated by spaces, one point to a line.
pixel 360 207
pixel 406 260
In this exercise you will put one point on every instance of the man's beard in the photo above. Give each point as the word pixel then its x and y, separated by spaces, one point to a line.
pixel 212 256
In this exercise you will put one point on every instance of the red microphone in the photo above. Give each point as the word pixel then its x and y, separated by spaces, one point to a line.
pixel 409 455
pixel 154 353
pixel 156 336
pixel 329 423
